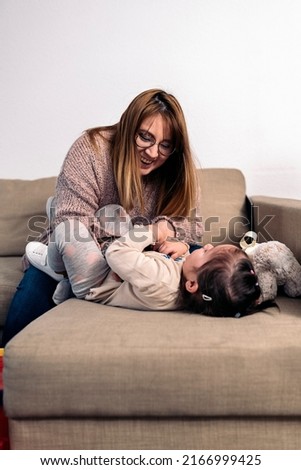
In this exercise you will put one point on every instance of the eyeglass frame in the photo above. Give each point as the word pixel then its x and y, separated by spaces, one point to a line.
pixel 151 145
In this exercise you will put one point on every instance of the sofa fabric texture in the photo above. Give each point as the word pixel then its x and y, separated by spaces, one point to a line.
pixel 156 433
pixel 188 367
pixel 22 212
pixel 89 376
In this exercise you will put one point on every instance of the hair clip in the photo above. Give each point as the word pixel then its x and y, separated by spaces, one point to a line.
pixel 206 298
pixel 237 315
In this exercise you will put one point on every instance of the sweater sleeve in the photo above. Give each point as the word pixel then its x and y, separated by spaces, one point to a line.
pixel 80 187
pixel 190 229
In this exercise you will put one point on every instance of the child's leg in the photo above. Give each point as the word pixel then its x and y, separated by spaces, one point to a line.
pixel 113 220
pixel 72 248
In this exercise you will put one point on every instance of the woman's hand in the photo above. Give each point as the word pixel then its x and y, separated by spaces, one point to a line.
pixel 162 230
pixel 165 241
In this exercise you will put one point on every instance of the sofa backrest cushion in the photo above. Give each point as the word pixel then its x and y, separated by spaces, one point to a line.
pixel 22 212
pixel 23 215
pixel 224 208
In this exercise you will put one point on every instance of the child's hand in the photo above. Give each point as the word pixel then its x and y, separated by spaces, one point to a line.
pixel 174 249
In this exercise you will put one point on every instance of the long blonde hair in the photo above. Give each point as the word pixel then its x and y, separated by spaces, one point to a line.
pixel 177 176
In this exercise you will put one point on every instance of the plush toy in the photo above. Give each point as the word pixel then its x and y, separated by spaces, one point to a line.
pixel 275 265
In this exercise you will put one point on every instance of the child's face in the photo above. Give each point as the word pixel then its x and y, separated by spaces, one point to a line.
pixel 201 256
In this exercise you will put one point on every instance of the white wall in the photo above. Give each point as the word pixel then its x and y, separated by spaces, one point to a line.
pixel 235 66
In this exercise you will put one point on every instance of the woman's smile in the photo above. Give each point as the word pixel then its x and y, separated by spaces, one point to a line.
pixel 146 161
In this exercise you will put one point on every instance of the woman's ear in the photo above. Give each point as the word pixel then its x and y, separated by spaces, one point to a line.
pixel 191 286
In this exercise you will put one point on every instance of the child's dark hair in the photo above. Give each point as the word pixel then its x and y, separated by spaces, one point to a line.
pixel 228 286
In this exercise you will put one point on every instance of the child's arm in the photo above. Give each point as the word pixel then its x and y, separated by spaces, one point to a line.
pixel 126 258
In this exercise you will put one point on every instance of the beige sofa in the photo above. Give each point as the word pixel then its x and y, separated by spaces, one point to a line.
pixel 87 376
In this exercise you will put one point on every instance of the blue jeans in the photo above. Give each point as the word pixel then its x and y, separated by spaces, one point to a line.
pixel 32 298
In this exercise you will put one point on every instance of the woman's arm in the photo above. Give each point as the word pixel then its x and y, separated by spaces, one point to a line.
pixel 190 229
pixel 82 185
pixel 187 231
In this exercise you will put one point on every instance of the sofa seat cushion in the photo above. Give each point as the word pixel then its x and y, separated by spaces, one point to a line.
pixel 89 360
pixel 10 275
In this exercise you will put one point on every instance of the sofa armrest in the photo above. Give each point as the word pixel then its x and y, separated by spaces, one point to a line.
pixel 279 219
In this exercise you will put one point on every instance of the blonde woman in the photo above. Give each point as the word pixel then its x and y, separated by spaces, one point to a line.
pixel 143 163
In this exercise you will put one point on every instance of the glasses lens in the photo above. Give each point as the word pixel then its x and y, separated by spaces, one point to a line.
pixel 166 149
pixel 145 140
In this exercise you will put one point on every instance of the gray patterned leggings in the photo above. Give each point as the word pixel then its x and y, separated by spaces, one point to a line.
pixel 73 249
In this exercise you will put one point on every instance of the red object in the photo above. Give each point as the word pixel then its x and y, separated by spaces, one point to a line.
pixel 1 369
pixel 4 439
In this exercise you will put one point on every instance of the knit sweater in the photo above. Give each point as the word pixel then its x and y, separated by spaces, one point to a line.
pixel 86 183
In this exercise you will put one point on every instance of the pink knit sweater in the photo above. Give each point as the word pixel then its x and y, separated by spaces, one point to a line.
pixel 86 183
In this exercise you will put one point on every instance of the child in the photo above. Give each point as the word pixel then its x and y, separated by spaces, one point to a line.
pixel 217 281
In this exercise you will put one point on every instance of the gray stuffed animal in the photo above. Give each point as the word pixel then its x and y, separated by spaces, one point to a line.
pixel 275 265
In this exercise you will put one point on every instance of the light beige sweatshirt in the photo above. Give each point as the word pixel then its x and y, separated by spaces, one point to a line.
pixel 150 279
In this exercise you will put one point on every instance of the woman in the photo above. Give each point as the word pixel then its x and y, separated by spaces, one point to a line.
pixel 142 163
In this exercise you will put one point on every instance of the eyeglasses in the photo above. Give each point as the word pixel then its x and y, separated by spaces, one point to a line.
pixel 144 140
